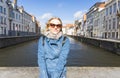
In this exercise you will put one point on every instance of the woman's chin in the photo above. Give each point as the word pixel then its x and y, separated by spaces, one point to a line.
pixel 55 32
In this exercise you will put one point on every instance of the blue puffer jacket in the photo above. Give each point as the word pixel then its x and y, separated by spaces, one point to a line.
pixel 52 57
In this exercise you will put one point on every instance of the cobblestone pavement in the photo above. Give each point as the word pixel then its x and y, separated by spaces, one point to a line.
pixel 73 72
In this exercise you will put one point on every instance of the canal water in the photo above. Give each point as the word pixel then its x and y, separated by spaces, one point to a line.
pixel 25 54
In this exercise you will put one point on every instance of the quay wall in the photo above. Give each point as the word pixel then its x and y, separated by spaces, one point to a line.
pixel 110 45
pixel 8 41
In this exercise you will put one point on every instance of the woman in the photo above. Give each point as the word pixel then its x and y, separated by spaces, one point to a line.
pixel 53 49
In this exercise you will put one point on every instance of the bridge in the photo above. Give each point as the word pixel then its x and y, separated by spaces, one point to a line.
pixel 84 61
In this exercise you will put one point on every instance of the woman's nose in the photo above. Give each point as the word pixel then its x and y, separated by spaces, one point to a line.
pixel 55 26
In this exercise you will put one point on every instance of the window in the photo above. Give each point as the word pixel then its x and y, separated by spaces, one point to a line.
pixel 32 29
pixel 13 15
pixel 98 22
pixel 110 24
pixel 0 9
pixel 1 19
pixel 106 25
pixel 1 30
pixel 113 34
pixel 13 27
pixel 106 11
pixel 5 21
pixel 4 10
pixel 119 4
pixel 22 28
pixel 114 23
pixel 16 27
pixel 16 16
pixel 4 30
pixel 109 34
pixel 118 24
pixel 19 17
pixel 114 8
pixel 95 23
pixel 110 10
pixel 116 34
pixel 19 27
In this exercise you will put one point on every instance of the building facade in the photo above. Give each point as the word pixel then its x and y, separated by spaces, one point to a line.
pixel 93 20
pixel 78 27
pixel 112 26
pixel 98 19
pixel 84 26
pixel 3 18
pixel 89 22
pixel 69 29
pixel 102 24
pixel 15 21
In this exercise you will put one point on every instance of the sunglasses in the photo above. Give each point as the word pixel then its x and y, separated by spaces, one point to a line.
pixel 57 25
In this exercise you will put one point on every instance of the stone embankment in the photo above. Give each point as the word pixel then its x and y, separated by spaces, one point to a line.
pixel 108 44
pixel 8 41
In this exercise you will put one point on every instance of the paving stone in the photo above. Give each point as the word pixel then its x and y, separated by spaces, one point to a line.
pixel 73 72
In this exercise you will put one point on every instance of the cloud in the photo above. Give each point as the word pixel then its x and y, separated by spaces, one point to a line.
pixel 46 16
pixel 103 0
pixel 67 22
pixel 79 14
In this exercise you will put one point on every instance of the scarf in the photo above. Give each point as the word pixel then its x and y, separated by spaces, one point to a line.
pixel 53 36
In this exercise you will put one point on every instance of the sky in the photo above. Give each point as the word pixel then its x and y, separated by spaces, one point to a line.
pixel 67 10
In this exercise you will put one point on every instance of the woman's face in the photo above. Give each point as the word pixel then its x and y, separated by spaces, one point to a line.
pixel 55 26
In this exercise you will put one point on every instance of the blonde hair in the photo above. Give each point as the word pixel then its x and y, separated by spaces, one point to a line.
pixel 47 24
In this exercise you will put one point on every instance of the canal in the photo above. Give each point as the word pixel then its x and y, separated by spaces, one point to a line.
pixel 25 54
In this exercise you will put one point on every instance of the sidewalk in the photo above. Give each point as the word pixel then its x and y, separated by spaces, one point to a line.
pixel 73 72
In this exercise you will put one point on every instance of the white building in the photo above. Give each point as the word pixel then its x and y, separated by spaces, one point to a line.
pixel 78 27
pixel 112 20
pixel 64 29
pixel 102 23
pixel 69 29
pixel 93 20
pixel 22 22
pixel 33 24
pixel 89 22
pixel 84 26
pixel 4 25
pixel 15 21
pixel 98 20
pixel 27 21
